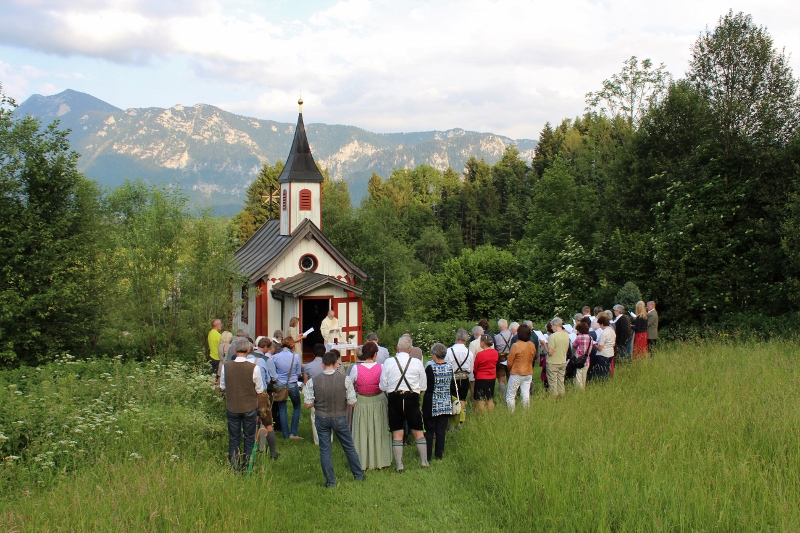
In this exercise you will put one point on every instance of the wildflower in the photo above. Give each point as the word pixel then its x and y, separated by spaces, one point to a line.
pixel 134 455
pixel 11 458
pixel 3 437
pixel 119 431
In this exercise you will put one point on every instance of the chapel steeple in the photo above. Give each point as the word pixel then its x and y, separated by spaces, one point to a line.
pixel 301 183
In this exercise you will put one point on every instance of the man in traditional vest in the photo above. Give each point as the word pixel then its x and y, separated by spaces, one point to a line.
pixel 241 381
pixel 311 370
pixel 329 394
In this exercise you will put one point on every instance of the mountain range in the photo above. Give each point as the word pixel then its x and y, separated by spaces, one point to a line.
pixel 214 155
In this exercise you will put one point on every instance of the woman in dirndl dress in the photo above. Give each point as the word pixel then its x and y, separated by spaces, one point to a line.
pixel 371 435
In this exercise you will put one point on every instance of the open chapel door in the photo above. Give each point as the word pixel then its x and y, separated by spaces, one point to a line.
pixel 348 311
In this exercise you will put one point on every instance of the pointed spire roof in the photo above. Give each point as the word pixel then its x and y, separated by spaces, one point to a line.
pixel 300 165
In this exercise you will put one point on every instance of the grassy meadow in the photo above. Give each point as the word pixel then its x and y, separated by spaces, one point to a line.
pixel 702 437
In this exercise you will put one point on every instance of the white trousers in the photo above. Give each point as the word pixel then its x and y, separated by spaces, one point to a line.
pixel 580 377
pixel 523 383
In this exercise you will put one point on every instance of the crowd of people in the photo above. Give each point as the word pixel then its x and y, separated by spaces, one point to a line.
pixel 376 404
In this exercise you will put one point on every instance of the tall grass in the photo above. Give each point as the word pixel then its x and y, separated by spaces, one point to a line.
pixel 701 437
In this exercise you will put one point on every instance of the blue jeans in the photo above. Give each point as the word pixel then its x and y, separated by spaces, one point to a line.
pixel 294 395
pixel 241 424
pixel 339 426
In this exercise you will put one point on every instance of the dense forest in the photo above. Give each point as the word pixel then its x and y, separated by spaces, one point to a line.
pixel 685 191
pixel 686 188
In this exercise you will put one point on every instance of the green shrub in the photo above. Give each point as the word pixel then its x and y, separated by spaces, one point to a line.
pixel 628 295
pixel 425 334
pixel 59 417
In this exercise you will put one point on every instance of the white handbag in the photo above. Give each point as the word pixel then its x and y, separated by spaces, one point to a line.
pixel 456 409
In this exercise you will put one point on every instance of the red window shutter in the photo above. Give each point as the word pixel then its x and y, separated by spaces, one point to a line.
pixel 305 200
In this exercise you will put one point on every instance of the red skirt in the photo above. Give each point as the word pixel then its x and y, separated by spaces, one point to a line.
pixel 640 345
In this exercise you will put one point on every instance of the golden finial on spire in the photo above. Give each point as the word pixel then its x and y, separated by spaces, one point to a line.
pixel 300 103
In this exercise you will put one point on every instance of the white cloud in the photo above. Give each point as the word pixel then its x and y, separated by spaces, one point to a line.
pixel 504 66
pixel 27 79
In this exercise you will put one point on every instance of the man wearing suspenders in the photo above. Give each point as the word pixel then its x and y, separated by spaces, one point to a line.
pixel 403 379
pixel 502 343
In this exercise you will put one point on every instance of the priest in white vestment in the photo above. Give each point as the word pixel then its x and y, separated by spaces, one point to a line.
pixel 330 329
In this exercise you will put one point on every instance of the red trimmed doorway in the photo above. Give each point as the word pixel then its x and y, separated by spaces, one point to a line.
pixel 312 311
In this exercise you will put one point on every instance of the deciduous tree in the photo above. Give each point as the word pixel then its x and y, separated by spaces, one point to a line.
pixel 631 92
pixel 50 244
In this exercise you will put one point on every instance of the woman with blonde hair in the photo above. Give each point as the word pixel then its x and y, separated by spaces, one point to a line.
pixel 640 331
pixel 296 336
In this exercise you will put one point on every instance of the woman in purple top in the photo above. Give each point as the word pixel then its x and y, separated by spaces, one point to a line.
pixel 371 415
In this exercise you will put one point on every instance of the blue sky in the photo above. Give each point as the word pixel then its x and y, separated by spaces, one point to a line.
pixel 505 66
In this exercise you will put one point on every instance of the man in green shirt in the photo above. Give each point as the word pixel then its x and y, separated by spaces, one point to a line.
pixel 213 345
pixel 557 346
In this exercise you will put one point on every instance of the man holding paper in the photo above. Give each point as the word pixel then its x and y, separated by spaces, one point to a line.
pixel 330 328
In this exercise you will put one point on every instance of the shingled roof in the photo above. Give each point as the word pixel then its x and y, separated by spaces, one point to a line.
pixel 258 256
pixel 308 281
pixel 266 244
pixel 300 165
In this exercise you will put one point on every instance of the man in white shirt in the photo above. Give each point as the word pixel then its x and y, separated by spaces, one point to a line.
pixel 403 379
pixel 242 383
pixel 474 348
pixel 502 343
pixel 594 325
pixel 462 360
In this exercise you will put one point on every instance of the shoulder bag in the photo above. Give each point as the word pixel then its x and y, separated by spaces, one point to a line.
pixel 502 355
pixel 281 394
pixel 456 409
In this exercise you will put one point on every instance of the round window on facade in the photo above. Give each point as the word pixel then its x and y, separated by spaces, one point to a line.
pixel 308 263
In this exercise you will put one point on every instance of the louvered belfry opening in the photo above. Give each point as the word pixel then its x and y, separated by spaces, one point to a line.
pixel 305 200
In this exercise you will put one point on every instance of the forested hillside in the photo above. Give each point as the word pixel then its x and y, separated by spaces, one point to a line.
pixel 687 188
pixel 214 155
